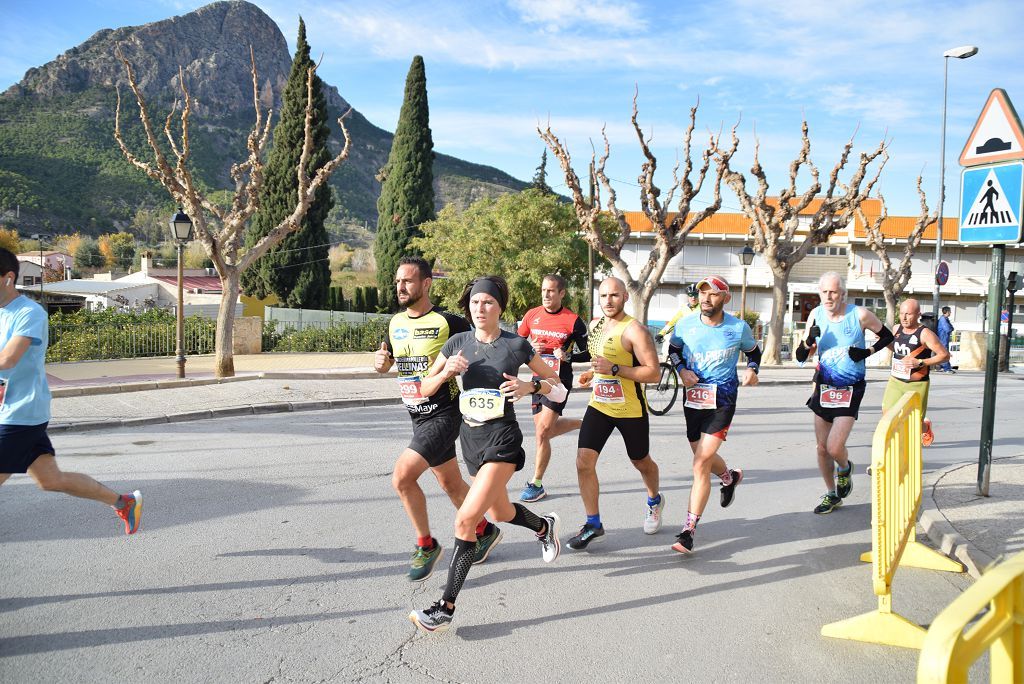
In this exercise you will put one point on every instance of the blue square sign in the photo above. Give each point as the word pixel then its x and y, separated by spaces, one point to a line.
pixel 990 203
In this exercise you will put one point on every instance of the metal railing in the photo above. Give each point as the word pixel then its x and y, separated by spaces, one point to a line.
pixel 95 342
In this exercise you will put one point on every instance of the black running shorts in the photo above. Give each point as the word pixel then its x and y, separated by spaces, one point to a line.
pixel 597 428
pixel 500 441
pixel 829 414
pixel 434 438
pixel 21 445
pixel 714 422
pixel 541 400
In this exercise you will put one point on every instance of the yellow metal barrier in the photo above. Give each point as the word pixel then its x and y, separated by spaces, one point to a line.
pixel 895 499
pixel 949 651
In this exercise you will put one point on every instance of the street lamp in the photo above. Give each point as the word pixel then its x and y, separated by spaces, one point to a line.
pixel 181 231
pixel 962 52
pixel 747 257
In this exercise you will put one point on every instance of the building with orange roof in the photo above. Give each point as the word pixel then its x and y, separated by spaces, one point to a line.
pixel 714 245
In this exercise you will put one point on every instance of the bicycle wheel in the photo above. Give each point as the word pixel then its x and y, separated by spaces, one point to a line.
pixel 662 395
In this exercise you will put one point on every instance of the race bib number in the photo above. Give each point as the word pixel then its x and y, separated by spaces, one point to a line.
pixel 703 395
pixel 552 362
pixel 410 388
pixel 481 405
pixel 901 369
pixel 835 397
pixel 609 391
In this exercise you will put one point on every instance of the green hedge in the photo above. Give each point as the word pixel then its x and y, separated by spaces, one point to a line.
pixel 110 334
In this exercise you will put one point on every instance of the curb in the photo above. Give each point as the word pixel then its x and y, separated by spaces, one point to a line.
pixel 90 390
pixel 943 534
pixel 226 412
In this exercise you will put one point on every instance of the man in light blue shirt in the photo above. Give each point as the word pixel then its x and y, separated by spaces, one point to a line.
pixel 25 403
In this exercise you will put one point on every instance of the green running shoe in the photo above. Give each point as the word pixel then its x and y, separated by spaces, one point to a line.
pixel 844 481
pixel 485 543
pixel 423 562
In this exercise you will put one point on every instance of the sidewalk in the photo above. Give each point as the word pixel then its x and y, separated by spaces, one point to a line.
pixel 94 395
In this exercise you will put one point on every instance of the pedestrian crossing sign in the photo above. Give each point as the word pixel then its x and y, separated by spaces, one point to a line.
pixel 990 203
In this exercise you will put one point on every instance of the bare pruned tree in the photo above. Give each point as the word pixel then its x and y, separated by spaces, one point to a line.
pixel 669 229
pixel 221 231
pixel 784 228
pixel 895 278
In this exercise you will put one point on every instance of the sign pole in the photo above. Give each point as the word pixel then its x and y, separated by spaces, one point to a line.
pixel 988 409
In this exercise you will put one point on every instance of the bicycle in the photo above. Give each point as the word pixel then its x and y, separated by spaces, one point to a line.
pixel 661 395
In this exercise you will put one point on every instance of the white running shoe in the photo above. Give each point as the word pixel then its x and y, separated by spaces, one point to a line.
pixel 652 522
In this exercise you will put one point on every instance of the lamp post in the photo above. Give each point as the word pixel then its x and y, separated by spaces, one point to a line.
pixel 747 257
pixel 181 231
pixel 962 52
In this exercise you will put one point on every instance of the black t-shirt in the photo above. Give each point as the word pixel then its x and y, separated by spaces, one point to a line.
pixel 488 361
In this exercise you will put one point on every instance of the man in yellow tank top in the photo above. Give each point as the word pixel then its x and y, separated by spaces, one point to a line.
pixel 623 358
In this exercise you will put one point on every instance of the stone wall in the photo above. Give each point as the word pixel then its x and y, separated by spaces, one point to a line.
pixel 248 335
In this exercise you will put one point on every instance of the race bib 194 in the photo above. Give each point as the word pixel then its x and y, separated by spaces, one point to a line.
pixel 835 397
pixel 411 387
pixel 703 395
pixel 901 369
pixel 481 405
pixel 608 391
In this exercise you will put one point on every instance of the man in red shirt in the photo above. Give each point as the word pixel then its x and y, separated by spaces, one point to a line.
pixel 552 330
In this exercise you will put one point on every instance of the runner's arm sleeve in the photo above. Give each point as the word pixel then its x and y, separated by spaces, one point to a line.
pixel 884 340
pixel 754 358
pixel 675 353
pixel 580 335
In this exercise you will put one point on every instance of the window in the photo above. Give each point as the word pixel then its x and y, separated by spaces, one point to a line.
pixel 825 250
pixel 26 280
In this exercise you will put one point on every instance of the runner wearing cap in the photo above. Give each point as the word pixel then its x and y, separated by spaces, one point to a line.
pixel 704 350
pixel 692 306
pixel 915 350
pixel 836 331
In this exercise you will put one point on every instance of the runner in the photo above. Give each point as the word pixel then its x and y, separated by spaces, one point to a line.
pixel 415 336
pixel 488 359
pixel 623 360
pixel 836 331
pixel 692 305
pixel 25 403
pixel 704 349
pixel 915 350
pixel 552 331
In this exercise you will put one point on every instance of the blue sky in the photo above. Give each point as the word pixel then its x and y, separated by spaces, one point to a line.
pixel 496 69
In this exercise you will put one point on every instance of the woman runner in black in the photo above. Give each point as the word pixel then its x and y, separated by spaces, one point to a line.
pixel 488 359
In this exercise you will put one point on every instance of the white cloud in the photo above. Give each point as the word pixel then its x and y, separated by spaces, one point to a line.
pixel 558 15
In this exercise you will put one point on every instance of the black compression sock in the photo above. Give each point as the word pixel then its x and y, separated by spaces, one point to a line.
pixel 458 568
pixel 524 517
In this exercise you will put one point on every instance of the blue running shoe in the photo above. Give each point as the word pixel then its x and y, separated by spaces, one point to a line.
pixel 532 492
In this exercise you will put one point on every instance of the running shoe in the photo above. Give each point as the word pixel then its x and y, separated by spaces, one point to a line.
pixel 829 503
pixel 132 512
pixel 588 533
pixel 927 436
pixel 433 620
pixel 423 562
pixel 729 491
pixel 485 543
pixel 652 521
pixel 844 481
pixel 684 542
pixel 549 540
pixel 532 492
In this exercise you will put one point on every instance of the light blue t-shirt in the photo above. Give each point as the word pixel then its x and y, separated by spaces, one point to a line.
pixel 27 395
pixel 835 367
pixel 711 351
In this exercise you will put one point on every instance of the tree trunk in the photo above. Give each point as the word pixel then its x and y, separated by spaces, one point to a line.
pixel 890 308
pixel 780 301
pixel 640 302
pixel 224 357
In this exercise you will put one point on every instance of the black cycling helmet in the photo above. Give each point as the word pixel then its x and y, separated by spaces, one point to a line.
pixel 691 290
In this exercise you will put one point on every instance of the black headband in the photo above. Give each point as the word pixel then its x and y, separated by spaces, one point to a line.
pixel 487 286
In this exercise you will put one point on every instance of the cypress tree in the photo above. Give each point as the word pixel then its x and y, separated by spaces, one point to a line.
pixel 360 303
pixel 407 183
pixel 540 178
pixel 297 270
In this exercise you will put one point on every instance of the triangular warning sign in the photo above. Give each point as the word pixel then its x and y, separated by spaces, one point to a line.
pixel 997 136
pixel 990 206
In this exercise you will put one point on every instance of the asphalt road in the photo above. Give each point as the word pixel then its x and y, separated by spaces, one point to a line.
pixel 273 549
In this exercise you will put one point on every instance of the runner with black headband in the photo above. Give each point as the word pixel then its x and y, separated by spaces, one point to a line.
pixel 488 360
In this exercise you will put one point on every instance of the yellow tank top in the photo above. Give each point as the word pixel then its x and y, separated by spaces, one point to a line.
pixel 614 395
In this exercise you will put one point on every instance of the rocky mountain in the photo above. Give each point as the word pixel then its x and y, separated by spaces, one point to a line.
pixel 61 168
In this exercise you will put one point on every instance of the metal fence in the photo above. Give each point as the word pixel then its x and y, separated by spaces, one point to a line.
pixel 94 342
pixel 302 319
pixel 310 330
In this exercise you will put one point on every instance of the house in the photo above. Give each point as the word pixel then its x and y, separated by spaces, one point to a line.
pixel 714 245
pixel 58 264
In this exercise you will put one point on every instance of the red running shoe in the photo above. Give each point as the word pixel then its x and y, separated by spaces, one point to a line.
pixel 927 436
pixel 132 512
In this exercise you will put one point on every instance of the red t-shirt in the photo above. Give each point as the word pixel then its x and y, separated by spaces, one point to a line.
pixel 555 330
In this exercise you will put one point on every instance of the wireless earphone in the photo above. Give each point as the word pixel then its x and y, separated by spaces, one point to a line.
pixel 8 282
